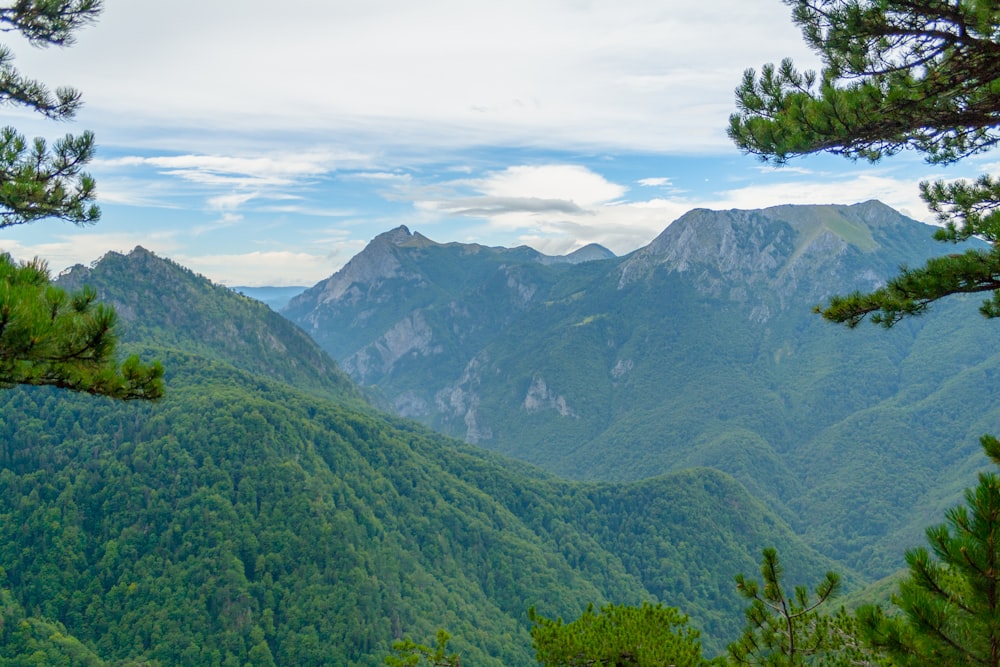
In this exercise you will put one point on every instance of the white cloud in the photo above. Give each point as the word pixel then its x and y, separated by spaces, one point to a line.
pixel 567 182
pixel 236 170
pixel 68 249
pixel 899 193
pixel 654 182
pixel 220 182
pixel 555 208
pixel 382 176
pixel 783 169
pixel 259 268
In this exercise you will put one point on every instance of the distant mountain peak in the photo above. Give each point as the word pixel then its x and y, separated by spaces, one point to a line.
pixel 588 253
pixel 402 236
pixel 782 249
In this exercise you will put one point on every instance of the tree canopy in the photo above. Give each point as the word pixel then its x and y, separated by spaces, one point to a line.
pixel 645 636
pixel 897 74
pixel 781 629
pixel 49 337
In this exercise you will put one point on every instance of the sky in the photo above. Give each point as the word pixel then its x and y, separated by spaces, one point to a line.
pixel 261 143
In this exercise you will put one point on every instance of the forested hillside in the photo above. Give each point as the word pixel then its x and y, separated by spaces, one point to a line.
pixel 244 520
pixel 700 349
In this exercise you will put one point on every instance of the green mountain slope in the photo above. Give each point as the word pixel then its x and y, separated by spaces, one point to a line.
pixel 700 349
pixel 242 520
pixel 161 303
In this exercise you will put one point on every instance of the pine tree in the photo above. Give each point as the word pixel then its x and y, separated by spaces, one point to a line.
pixel 950 602
pixel 46 336
pixel 897 74
pixel 782 630
pixel 620 636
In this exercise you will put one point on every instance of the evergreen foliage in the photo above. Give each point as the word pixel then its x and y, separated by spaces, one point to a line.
pixel 49 337
pixel 617 636
pixel 31 642
pixel 921 74
pixel 46 336
pixel 782 629
pixel 407 653
pixel 188 312
pixel 950 602
pixel 36 182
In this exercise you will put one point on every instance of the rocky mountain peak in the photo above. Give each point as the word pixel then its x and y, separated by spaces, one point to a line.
pixel 723 244
pixel 776 251
pixel 395 236
pixel 377 262
pixel 402 236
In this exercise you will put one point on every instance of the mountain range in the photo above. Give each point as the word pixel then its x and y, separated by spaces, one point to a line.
pixel 700 349
pixel 656 420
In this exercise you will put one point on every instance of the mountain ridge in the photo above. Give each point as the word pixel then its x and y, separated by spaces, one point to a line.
pixel 234 327
pixel 699 349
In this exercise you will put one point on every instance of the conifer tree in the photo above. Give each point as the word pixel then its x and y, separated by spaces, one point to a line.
pixel 782 630
pixel 645 636
pixel 46 336
pixel 897 74
pixel 950 602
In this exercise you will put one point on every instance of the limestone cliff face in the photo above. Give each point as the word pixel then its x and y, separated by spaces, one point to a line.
pixel 767 257
pixel 411 335
pixel 507 346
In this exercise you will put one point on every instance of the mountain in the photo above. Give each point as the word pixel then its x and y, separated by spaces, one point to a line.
pixel 246 519
pixel 700 349
pixel 163 303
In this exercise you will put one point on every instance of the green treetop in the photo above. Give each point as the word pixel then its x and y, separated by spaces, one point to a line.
pixel 781 630
pixel 48 337
pixel 645 636
pixel 897 74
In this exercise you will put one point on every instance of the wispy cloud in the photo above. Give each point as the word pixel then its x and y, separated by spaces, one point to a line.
pixel 654 182
pixel 627 73
pixel 490 206
pixel 231 200
pixel 235 171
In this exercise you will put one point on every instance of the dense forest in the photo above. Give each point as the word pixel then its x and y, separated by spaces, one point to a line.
pixel 242 519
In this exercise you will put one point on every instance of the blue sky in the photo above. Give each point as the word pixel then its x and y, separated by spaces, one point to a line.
pixel 264 144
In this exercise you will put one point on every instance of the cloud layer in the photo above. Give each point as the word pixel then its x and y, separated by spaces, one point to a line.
pixel 267 147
